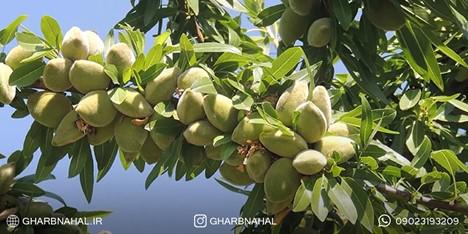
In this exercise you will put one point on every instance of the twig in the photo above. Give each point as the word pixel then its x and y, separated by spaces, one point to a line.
pixel 427 201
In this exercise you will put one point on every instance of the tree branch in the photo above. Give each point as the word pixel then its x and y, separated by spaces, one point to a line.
pixel 426 201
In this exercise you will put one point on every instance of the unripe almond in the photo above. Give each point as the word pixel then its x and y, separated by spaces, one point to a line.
pixel 7 92
pixel 16 55
pixel 56 74
pixel 75 44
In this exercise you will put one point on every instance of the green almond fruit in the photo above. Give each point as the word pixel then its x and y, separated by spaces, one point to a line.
pixel 213 153
pixel 220 112
pixel 56 74
pixel 121 56
pixel 235 175
pixel 190 107
pixel 16 55
pixel 163 141
pixel 48 108
pixel 303 7
pixel 309 162
pixel 96 45
pixel 67 132
pixel 86 76
pixel 7 176
pixel 311 123
pixel 292 26
pixel 281 181
pixel 385 14
pixel 321 99
pixel 162 87
pixel 75 44
pixel 290 100
pixel 258 164
pixel 150 152
pixel 319 33
pixel 247 131
pixel 102 135
pixel 274 208
pixel 201 133
pixel 7 92
pixel 134 105
pixel 39 210
pixel 96 109
pixel 341 145
pixel 129 138
pixel 193 156
pixel 235 159
pixel 341 129
pixel 186 79
pixel 283 145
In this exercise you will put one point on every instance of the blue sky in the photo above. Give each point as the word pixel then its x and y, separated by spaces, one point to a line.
pixel 168 206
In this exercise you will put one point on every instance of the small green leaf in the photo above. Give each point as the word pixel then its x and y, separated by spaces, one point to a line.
pixel 117 95
pixel 302 198
pixel 285 62
pixel 459 104
pixel 366 122
pixel 80 153
pixel 7 34
pixel 105 156
pixel 204 85
pixel 214 47
pixel 423 153
pixel 27 74
pixel 409 99
pixel 51 30
pixel 254 202
pixel 87 178
pixel 27 189
pixel 449 161
pixel 193 4
pixel 343 202
pixel 320 202
pixel 270 15
pixel 233 188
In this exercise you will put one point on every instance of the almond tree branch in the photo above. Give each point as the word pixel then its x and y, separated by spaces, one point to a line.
pixel 426 201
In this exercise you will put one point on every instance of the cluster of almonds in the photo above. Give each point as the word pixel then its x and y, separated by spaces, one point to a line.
pixel 307 17
pixel 264 153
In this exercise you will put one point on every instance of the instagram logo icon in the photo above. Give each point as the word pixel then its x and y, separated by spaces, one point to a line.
pixel 200 221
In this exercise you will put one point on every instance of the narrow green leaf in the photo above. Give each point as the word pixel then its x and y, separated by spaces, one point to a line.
pixel 233 188
pixel 194 5
pixel 320 202
pixel 423 153
pixel 254 203
pixel 27 189
pixel 214 47
pixel 87 178
pixel 7 34
pixel 270 15
pixel 285 62
pixel 51 30
pixel 409 99
pixel 343 202
pixel 204 85
pixel 366 122
pixel 105 156
pixel 361 201
pixel 80 154
pixel 343 12
pixel 302 199
pixel 27 74
pixel 459 104
pixel 449 161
